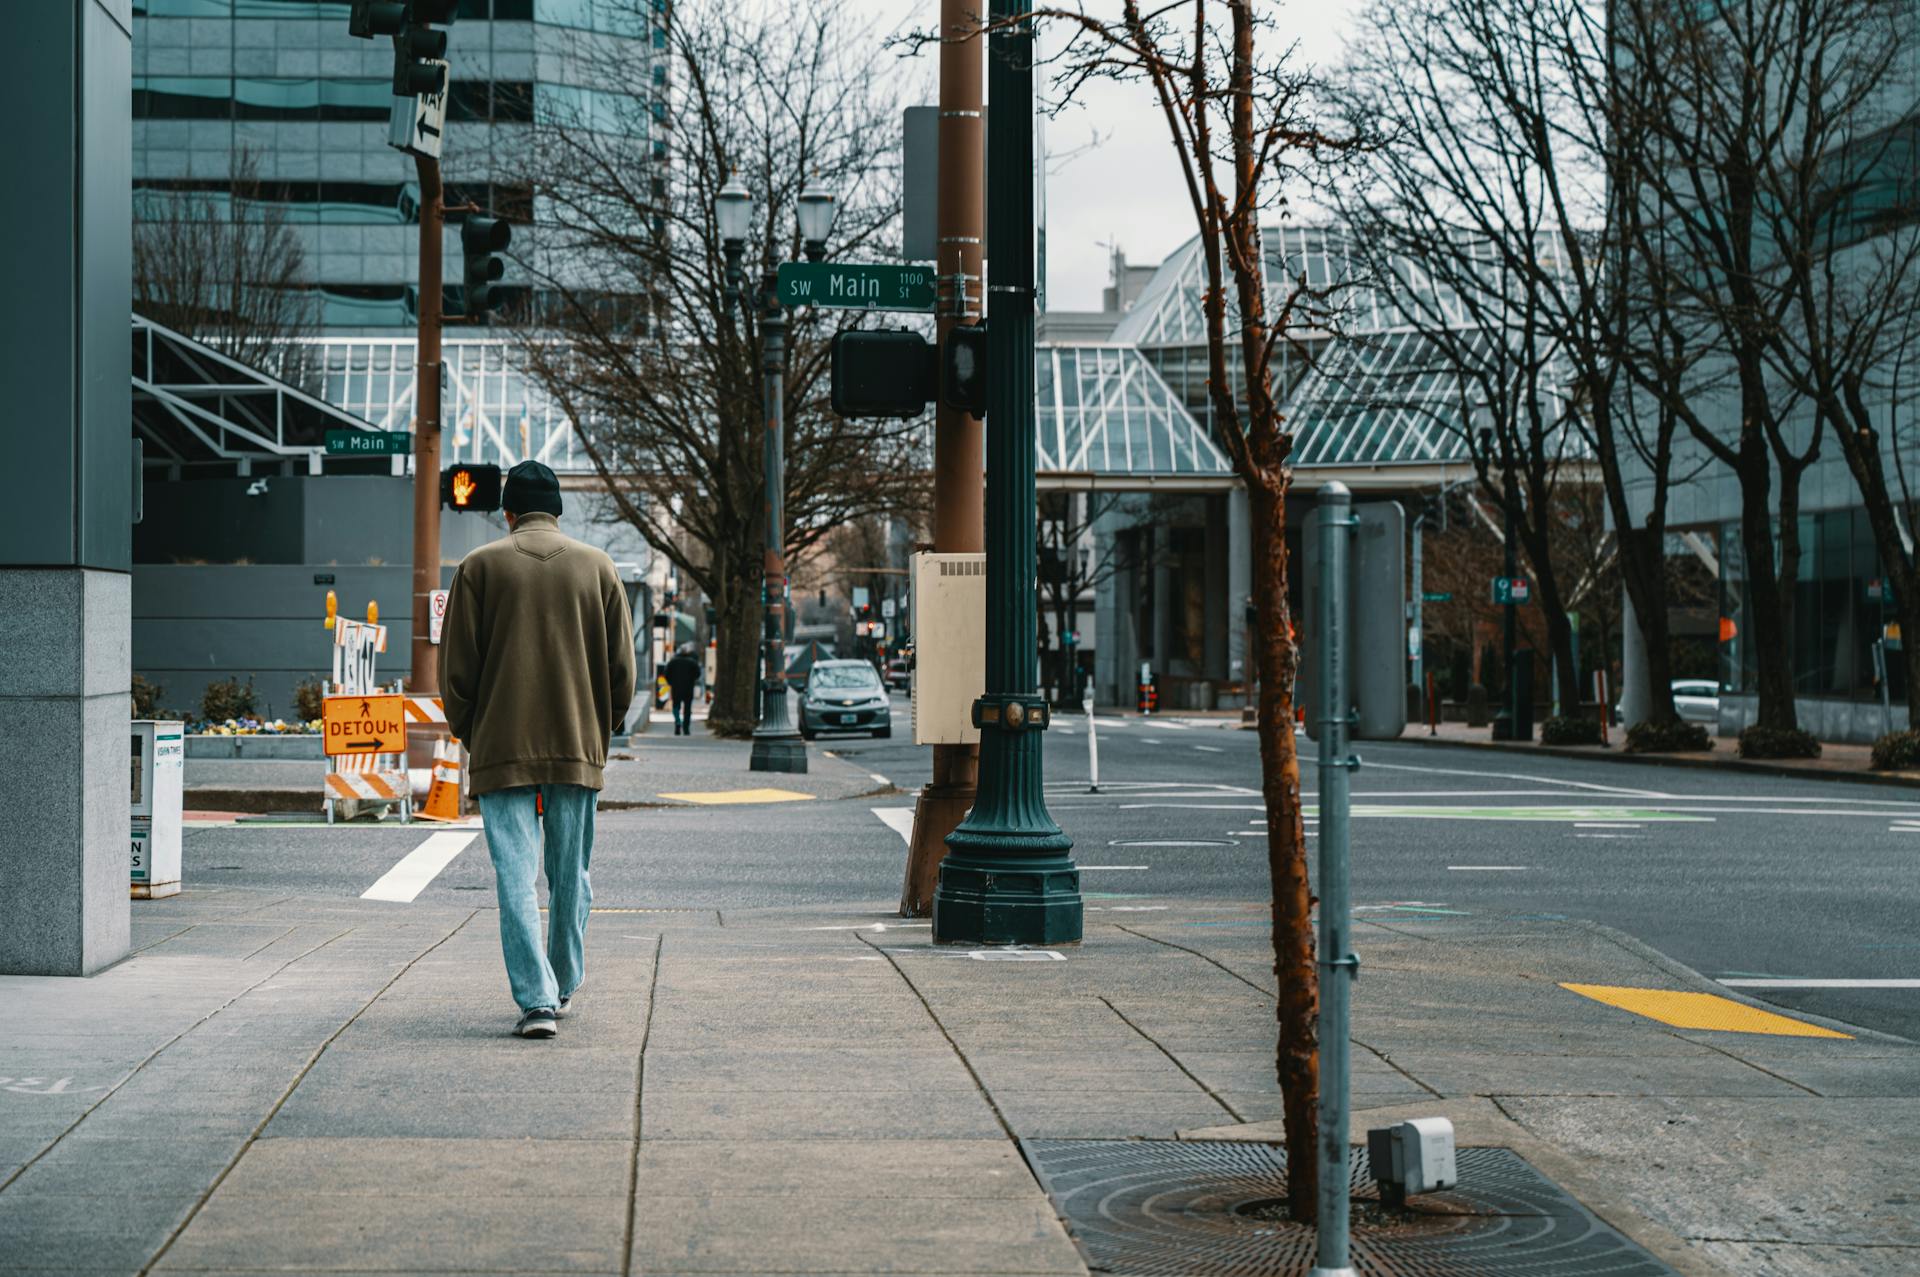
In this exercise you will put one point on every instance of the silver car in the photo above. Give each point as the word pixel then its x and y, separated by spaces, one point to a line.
pixel 1697 699
pixel 845 696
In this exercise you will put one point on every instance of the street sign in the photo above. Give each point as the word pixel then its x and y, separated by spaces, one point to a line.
pixel 415 124
pixel 364 724
pixel 369 443
pixel 886 608
pixel 436 613
pixel 1512 590
pixel 1436 596
pixel 856 287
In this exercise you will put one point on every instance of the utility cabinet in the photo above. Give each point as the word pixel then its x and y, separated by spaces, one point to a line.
pixel 949 646
pixel 159 758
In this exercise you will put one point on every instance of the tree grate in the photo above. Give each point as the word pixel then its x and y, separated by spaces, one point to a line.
pixel 1161 1208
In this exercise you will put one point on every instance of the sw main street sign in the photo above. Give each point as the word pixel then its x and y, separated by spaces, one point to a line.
pixel 369 443
pixel 856 287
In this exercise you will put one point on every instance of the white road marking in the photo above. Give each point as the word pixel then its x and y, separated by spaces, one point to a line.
pixel 418 867
pixel 1173 726
pixel 1210 749
pixel 1609 835
pixel 1088 867
pixel 1604 824
pixel 1016 955
pixel 898 819
pixel 1821 984
pixel 878 779
pixel 1248 833
pixel 1168 842
pixel 1150 740
pixel 1538 780
pixel 1487 869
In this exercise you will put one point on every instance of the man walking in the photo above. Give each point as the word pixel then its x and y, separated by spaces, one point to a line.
pixel 537 672
pixel 683 674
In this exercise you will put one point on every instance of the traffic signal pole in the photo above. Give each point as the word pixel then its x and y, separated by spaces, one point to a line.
pixel 958 494
pixel 425 680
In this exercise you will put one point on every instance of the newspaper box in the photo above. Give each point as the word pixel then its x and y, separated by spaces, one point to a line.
pixel 159 766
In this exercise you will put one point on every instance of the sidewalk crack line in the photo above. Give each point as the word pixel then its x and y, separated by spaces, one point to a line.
pixel 639 1100
pixel 1211 1093
pixel 965 1063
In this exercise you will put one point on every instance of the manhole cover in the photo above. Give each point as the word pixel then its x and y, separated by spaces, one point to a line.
pixel 1148 1208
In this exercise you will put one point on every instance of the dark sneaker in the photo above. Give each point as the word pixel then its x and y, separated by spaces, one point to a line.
pixel 537 1023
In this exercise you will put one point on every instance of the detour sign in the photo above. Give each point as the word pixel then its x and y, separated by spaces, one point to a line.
pixel 364 724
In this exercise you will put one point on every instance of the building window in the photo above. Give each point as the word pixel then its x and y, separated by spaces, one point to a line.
pixel 180 97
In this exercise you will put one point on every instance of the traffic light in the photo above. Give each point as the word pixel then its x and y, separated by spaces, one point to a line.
pixel 419 50
pixel 419 66
pixel 480 239
pixel 370 18
pixel 963 369
pixel 470 487
pixel 889 372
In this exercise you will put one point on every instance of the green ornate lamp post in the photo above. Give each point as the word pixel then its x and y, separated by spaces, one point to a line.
pixel 777 746
pixel 1007 877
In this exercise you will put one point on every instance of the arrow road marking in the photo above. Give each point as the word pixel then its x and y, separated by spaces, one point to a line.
pixel 418 868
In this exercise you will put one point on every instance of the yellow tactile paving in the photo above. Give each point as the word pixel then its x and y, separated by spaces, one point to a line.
pixel 719 797
pixel 1701 1011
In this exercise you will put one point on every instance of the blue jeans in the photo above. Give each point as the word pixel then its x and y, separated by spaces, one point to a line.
pixel 542 975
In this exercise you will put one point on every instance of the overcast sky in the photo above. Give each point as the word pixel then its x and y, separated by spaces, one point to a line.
pixel 1124 188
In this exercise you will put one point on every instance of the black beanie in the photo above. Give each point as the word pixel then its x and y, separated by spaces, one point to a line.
pixel 531 489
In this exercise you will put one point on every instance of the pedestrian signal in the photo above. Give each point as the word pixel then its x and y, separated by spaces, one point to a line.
pixel 470 487
pixel 885 373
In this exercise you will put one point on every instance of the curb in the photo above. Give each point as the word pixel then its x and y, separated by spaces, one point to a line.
pixel 252 802
pixel 1601 753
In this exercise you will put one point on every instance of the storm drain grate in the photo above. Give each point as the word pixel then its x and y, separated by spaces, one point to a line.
pixel 1156 1208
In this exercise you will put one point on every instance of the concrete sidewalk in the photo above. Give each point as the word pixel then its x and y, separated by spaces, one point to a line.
pixel 289 1085
pixel 647 772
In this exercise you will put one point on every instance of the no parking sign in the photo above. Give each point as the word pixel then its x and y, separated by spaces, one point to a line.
pixel 436 614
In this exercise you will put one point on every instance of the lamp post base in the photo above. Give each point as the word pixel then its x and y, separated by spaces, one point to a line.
pixel 1008 899
pixel 779 754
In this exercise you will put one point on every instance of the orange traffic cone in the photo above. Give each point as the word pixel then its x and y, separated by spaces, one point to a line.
pixel 443 796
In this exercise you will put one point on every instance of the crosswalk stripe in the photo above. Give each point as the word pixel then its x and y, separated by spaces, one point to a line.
pixel 418 867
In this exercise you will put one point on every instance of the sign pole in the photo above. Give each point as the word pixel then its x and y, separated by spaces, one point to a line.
pixel 424 679
pixel 1337 963
pixel 958 447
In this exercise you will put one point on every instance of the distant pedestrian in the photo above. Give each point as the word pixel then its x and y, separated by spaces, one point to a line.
pixel 537 673
pixel 683 675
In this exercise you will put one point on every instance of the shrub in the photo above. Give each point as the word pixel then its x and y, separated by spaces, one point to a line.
pixel 307 695
pixel 1667 738
pixel 229 698
pixel 146 698
pixel 1896 752
pixel 1778 742
pixel 1570 731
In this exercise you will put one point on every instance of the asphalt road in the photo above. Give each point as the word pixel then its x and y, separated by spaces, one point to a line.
pixel 1740 877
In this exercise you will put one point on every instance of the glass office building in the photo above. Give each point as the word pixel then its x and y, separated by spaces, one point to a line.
pixel 279 89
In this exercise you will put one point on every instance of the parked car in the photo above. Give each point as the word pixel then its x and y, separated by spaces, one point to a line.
pixel 845 696
pixel 1697 700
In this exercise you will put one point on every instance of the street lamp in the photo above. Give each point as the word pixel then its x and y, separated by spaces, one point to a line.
pixel 777 746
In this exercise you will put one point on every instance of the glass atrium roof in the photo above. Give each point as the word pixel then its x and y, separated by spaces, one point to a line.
pixel 1103 410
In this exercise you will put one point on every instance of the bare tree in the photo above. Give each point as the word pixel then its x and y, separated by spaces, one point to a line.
pixel 1501 225
pixel 224 267
pixel 1242 118
pixel 633 332
pixel 1835 208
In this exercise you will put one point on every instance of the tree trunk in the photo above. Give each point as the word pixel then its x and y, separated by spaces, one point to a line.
pixel 1766 607
pixel 1297 1054
pixel 736 710
pixel 1643 567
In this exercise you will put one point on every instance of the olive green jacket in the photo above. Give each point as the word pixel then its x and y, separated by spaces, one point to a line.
pixel 536 658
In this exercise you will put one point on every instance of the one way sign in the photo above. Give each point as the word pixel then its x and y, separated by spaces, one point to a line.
pixel 416 123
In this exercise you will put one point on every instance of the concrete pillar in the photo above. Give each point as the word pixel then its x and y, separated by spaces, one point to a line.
pixel 1633 695
pixel 65 527
pixel 1218 613
pixel 1239 581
